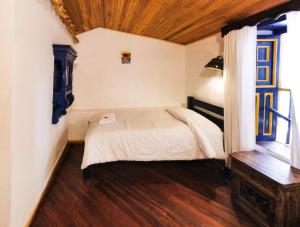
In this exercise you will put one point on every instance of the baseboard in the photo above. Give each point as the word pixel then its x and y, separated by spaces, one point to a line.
pixel 47 184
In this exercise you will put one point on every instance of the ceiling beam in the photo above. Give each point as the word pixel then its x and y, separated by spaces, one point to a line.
pixel 64 16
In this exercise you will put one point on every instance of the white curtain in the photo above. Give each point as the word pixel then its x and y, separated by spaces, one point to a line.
pixel 290 52
pixel 240 79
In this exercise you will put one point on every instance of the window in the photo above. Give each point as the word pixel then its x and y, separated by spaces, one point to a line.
pixel 273 100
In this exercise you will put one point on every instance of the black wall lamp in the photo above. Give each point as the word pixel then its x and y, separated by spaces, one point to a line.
pixel 215 64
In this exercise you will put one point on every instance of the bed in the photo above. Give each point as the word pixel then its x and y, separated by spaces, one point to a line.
pixel 160 134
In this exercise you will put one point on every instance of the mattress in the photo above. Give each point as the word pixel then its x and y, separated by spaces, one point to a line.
pixel 152 135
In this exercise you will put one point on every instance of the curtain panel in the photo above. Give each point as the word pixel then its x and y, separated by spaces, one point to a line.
pixel 240 89
pixel 291 51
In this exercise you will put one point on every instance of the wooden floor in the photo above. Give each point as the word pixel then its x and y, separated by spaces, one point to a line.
pixel 138 194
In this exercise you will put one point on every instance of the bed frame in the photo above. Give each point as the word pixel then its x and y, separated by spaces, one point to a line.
pixel 211 112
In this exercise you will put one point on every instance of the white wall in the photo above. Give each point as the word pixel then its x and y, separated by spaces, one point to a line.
pixel 156 76
pixel 36 142
pixel 205 84
pixel 6 61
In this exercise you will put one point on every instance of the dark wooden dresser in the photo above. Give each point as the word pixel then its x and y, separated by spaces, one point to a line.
pixel 265 188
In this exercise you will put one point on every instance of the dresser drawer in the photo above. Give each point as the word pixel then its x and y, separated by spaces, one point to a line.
pixel 261 182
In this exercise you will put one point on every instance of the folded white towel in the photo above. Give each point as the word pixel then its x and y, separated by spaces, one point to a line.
pixel 107 118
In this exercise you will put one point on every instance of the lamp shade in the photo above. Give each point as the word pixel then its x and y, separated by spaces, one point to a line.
pixel 215 63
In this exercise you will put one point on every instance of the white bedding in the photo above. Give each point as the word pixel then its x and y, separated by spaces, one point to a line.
pixel 153 135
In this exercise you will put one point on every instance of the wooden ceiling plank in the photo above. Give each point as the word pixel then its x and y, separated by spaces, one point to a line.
pixel 139 15
pixel 147 16
pixel 246 10
pixel 75 13
pixel 86 19
pixel 177 21
pixel 199 11
pixel 64 16
pixel 95 13
pixel 211 15
pixel 196 22
pixel 196 32
pixel 114 13
pixel 200 26
pixel 167 18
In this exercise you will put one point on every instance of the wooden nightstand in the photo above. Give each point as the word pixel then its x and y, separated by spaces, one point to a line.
pixel 267 189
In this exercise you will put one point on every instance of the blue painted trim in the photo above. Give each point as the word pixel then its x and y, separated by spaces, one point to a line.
pixel 265 87
pixel 278 26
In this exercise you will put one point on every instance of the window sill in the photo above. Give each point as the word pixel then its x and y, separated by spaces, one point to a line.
pixel 283 156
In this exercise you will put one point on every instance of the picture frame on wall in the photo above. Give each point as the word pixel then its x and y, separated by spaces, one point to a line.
pixel 126 57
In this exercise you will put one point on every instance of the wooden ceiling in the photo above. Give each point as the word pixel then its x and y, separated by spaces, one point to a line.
pixel 179 21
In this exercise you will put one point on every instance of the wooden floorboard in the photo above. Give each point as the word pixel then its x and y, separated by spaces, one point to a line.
pixel 192 193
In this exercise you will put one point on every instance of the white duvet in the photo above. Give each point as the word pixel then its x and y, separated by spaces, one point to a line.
pixel 153 135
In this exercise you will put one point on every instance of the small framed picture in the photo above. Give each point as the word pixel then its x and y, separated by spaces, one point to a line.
pixel 126 57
